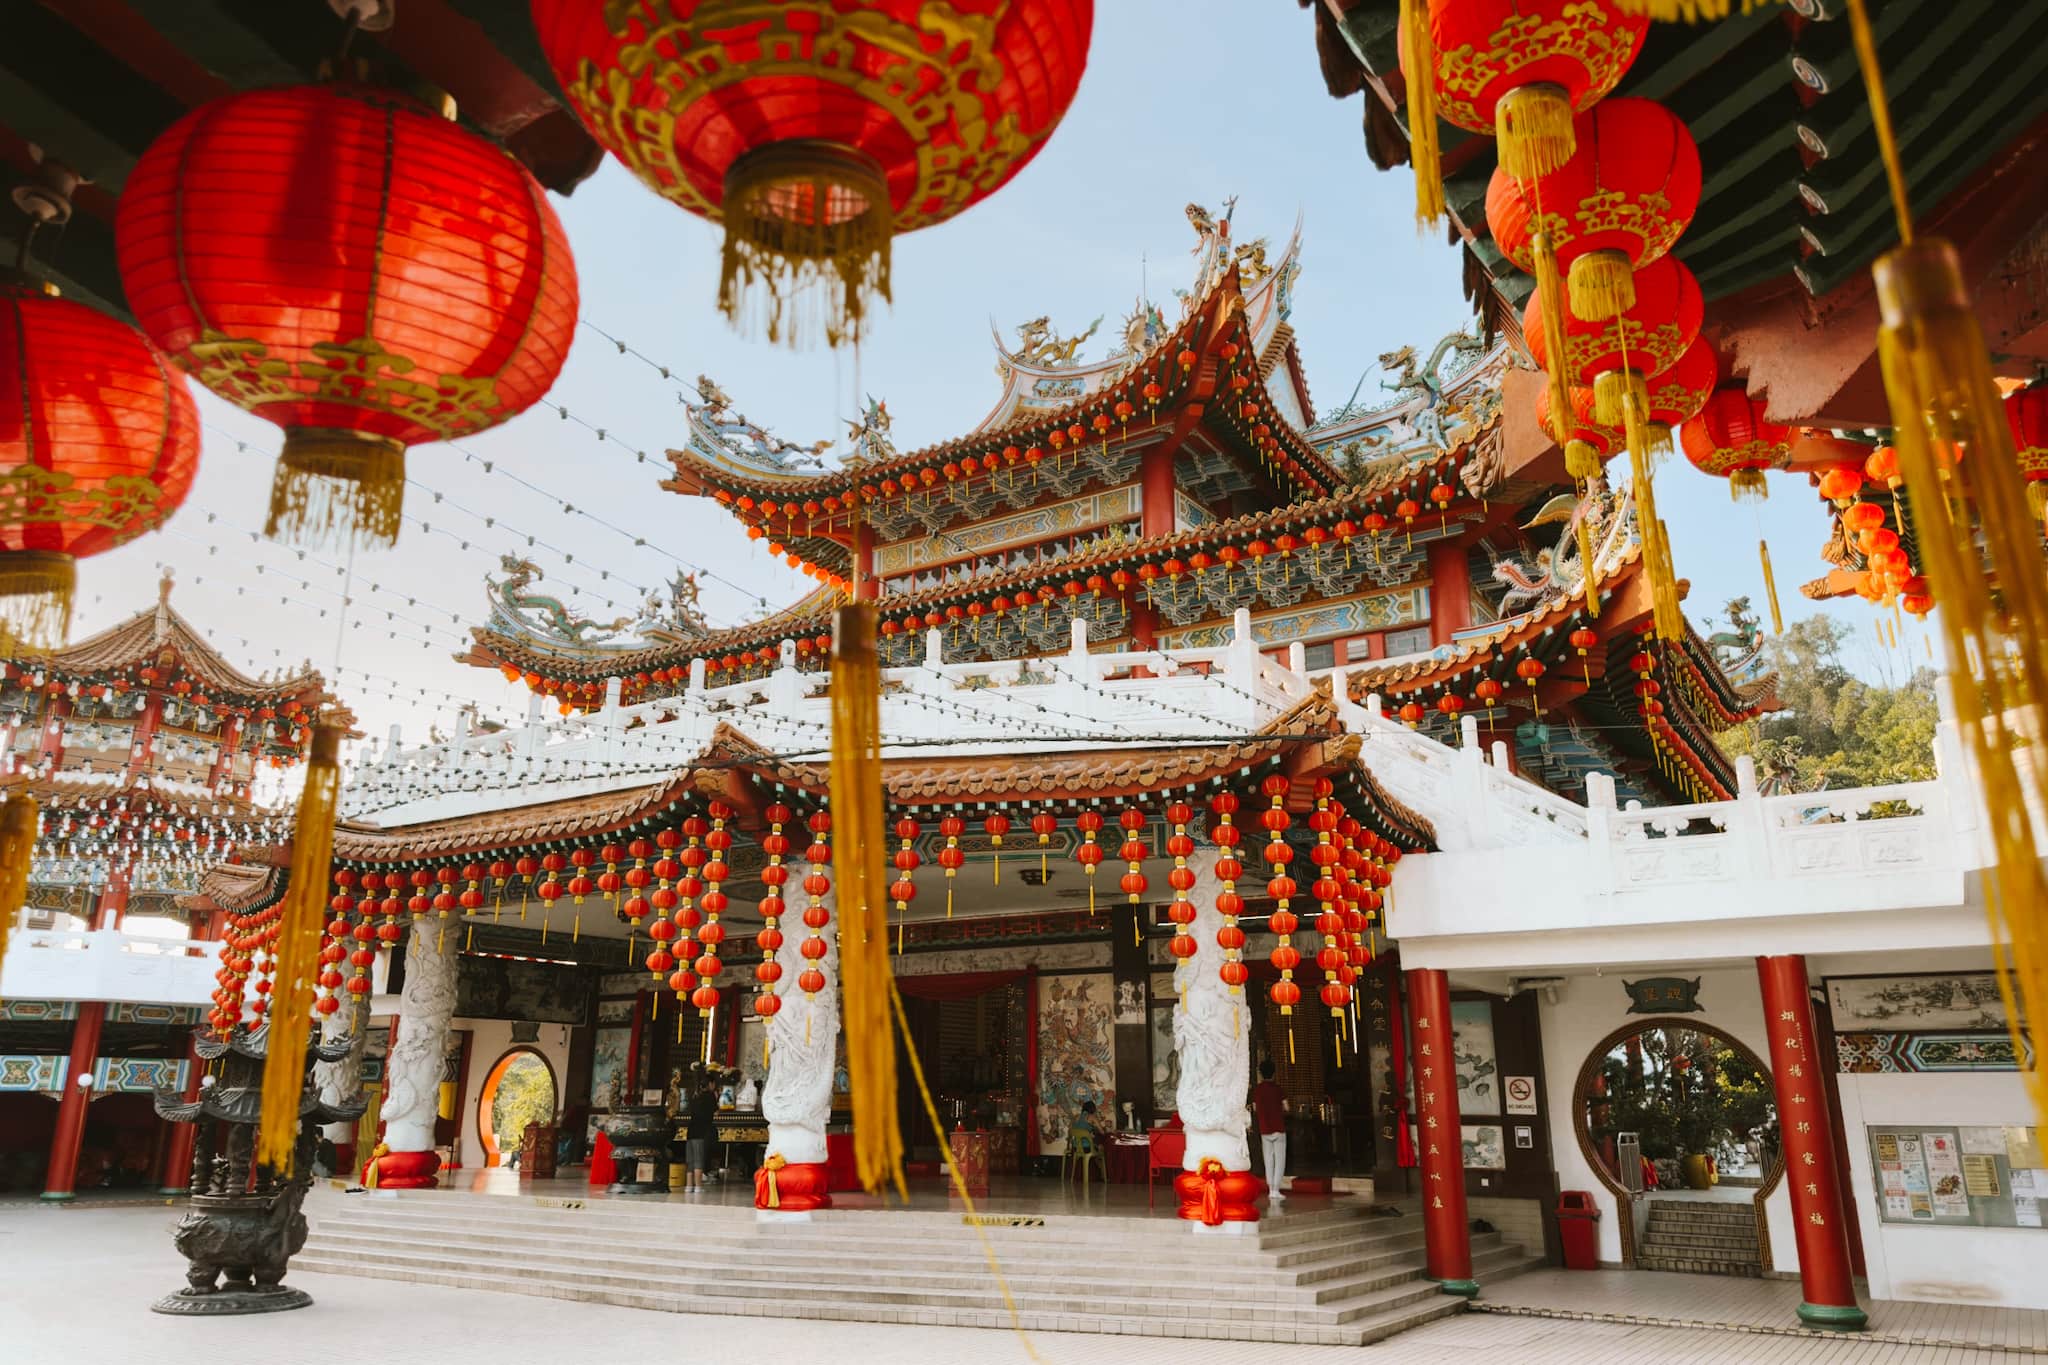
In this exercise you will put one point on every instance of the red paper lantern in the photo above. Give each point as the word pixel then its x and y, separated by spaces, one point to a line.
pixel 1678 394
pixel 1588 444
pixel 1730 439
pixel 362 272
pixel 817 131
pixel 1645 340
pixel 1519 69
pixel 101 441
pixel 1628 192
pixel 2026 411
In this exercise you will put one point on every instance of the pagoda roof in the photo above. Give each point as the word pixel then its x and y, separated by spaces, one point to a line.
pixel 731 763
pixel 160 637
pixel 810 514
pixel 810 618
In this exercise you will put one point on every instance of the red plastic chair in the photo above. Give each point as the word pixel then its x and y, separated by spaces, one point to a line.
pixel 1169 1150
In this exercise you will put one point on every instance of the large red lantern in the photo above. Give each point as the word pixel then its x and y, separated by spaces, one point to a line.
pixel 1731 439
pixel 1519 69
pixel 1645 340
pixel 99 442
pixel 2026 411
pixel 815 130
pixel 345 263
pixel 1629 190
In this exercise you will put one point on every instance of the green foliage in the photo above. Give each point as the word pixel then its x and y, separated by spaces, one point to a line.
pixel 526 1094
pixel 1684 1092
pixel 1835 729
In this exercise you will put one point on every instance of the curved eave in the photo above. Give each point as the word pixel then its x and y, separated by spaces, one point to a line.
pixel 140 641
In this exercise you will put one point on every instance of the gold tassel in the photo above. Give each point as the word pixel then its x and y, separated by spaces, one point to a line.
pixel 1657 436
pixel 864 976
pixel 335 489
pixel 1748 485
pixel 789 268
pixel 17 851
pixel 297 952
pixel 1937 374
pixel 1424 149
pixel 1556 350
pixel 1582 461
pixel 1613 388
pixel 1590 568
pixel 1602 284
pixel 1533 124
pixel 36 587
pixel 1763 551
pixel 1687 11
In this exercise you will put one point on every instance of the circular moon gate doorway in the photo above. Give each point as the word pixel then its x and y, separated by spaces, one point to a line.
pixel 519 1090
pixel 1668 1109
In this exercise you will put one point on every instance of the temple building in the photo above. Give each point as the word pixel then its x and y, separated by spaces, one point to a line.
pixel 154 763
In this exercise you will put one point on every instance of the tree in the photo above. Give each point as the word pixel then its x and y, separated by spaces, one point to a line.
pixel 1833 728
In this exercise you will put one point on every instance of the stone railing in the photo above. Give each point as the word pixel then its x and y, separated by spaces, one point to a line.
pixel 106 964
pixel 1079 699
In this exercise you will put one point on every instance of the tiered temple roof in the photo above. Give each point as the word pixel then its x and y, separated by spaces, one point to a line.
pixel 1155 492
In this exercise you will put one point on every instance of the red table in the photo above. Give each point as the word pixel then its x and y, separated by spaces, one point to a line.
pixel 1129 1157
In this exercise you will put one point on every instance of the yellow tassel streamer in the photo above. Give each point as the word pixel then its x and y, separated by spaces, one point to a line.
pixel 864 977
pixel 1602 284
pixel 1748 485
pixel 807 235
pixel 1424 148
pixel 1611 390
pixel 297 952
pixel 1534 126
pixel 1763 551
pixel 17 851
pixel 336 489
pixel 1556 351
pixel 1937 374
pixel 36 587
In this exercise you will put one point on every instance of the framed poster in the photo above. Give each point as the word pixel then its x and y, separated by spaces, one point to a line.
pixel 1485 1147
pixel 1472 1049
pixel 1956 1177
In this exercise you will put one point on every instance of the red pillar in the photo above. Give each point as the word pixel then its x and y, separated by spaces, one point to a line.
pixel 113 906
pixel 64 1143
pixel 1808 1127
pixel 1450 590
pixel 1155 489
pixel 1446 1232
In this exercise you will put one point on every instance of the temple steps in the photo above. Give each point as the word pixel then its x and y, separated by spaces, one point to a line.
pixel 1702 1237
pixel 1337 1276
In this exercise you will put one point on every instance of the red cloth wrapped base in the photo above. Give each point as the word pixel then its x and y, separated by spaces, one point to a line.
pixel 800 1186
pixel 405 1170
pixel 1213 1196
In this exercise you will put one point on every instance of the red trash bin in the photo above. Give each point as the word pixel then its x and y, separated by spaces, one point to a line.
pixel 1578 1227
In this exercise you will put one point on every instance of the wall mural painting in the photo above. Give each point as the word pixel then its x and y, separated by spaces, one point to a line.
pixel 1472 1046
pixel 1076 1055
pixel 1484 1148
pixel 1914 1004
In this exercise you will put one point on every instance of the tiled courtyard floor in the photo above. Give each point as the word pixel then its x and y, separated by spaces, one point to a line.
pixel 78 1282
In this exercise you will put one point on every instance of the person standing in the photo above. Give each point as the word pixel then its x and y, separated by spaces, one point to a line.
pixel 700 1134
pixel 1269 1110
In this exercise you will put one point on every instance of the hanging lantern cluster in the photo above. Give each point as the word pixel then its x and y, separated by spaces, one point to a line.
pixel 1133 882
pixel 951 857
pixel 250 254
pixel 717 843
pixel 1180 845
pixel 904 889
pixel 1089 854
pixel 815 134
pixel 817 881
pixel 1230 938
pixel 1281 887
pixel 774 877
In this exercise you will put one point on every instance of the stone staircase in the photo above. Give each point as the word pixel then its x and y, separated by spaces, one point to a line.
pixel 1339 1276
pixel 1703 1236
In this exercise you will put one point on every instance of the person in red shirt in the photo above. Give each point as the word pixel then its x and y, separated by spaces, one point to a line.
pixel 1269 1110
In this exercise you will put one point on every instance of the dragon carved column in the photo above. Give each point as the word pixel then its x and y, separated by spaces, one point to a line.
pixel 1211 1037
pixel 797 1098
pixel 406 1158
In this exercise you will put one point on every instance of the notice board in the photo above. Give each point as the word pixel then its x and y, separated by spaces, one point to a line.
pixel 1967 1176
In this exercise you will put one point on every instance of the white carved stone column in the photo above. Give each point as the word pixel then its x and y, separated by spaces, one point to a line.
pixel 1211 1036
pixel 343 1080
pixel 802 1051
pixel 413 1071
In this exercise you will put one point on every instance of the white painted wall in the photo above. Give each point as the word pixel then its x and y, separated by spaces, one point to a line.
pixel 1980 1266
pixel 490 1039
pixel 1591 1007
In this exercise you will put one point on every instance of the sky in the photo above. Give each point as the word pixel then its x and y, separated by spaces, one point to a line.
pixel 1183 101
